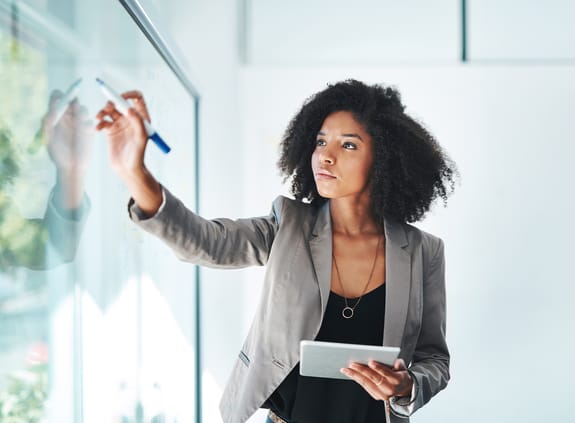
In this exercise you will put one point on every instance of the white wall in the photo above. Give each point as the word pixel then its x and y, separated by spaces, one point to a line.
pixel 521 30
pixel 312 32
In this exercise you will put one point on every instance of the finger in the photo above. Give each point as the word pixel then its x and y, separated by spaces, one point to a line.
pixel 136 120
pixel 111 110
pixel 109 107
pixel 133 95
pixel 399 364
pixel 366 383
pixel 104 114
pixel 376 365
pixel 83 116
pixel 390 372
pixel 138 103
pixel 388 379
pixel 55 99
pixel 392 376
pixel 382 369
pixel 397 377
pixel 372 380
pixel 71 111
pixel 100 115
pixel 78 113
pixel 369 373
pixel 113 114
pixel 108 114
pixel 76 108
pixel 103 125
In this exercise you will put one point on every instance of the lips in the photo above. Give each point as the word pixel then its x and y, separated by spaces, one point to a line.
pixel 325 175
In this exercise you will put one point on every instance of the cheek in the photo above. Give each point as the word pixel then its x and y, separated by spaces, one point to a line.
pixel 314 159
pixel 364 173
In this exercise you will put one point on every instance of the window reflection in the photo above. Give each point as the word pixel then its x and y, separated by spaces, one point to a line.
pixel 43 209
pixel 84 336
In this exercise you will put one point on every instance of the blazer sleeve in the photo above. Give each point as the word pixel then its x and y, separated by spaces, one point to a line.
pixel 430 364
pixel 217 243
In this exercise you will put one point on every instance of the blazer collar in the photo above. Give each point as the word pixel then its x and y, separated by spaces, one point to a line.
pixel 321 248
pixel 397 281
pixel 398 271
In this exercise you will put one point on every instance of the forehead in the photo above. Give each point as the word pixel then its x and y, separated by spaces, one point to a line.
pixel 341 119
pixel 342 122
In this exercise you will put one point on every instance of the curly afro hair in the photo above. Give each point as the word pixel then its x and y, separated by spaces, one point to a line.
pixel 410 169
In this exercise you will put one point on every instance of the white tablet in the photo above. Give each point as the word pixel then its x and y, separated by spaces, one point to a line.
pixel 325 359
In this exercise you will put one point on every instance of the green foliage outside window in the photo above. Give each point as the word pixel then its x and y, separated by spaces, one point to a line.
pixel 23 103
pixel 23 399
pixel 22 241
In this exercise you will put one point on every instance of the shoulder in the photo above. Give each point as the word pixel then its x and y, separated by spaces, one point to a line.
pixel 431 245
pixel 285 208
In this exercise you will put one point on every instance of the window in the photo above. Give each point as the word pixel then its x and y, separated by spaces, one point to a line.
pixel 95 317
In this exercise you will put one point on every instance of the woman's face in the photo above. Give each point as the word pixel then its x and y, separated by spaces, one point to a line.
pixel 342 159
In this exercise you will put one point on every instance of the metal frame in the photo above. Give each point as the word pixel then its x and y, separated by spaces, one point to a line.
pixel 162 45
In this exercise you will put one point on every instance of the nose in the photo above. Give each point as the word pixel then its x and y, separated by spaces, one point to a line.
pixel 326 157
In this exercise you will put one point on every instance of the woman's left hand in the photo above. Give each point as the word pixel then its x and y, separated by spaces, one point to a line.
pixel 380 381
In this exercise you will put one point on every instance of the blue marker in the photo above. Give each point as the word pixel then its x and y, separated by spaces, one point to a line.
pixel 65 101
pixel 123 106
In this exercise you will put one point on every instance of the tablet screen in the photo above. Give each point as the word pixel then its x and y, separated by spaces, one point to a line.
pixel 325 359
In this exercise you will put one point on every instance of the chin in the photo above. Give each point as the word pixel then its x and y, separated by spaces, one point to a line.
pixel 327 194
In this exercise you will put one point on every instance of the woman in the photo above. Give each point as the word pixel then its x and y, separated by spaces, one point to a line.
pixel 344 265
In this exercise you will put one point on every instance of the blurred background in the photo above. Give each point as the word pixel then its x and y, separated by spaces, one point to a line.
pixel 101 323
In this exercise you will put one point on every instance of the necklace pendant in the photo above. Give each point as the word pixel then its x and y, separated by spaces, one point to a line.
pixel 347 312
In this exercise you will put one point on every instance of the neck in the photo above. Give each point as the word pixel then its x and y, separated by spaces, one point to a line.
pixel 352 218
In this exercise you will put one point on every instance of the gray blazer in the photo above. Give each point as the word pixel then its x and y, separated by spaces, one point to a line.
pixel 295 243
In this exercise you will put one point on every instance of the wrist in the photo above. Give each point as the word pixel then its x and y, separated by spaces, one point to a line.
pixel 406 387
pixel 133 175
pixel 69 190
pixel 145 190
pixel 405 393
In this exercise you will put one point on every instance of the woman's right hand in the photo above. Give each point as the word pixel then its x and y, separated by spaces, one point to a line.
pixel 127 140
pixel 127 136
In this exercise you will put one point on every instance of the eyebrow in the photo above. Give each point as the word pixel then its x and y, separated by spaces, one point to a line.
pixel 352 135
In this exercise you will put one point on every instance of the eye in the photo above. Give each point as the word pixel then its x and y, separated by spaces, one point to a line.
pixel 349 146
pixel 319 143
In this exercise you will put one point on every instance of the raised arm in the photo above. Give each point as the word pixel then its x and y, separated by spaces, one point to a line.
pixel 127 140
pixel 222 243
pixel 217 243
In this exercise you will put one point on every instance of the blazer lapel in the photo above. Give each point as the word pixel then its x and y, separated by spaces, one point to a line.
pixel 398 272
pixel 320 244
pixel 398 283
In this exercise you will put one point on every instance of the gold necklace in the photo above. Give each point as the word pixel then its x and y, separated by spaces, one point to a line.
pixel 347 311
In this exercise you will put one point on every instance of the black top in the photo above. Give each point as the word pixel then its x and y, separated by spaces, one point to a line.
pixel 303 399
